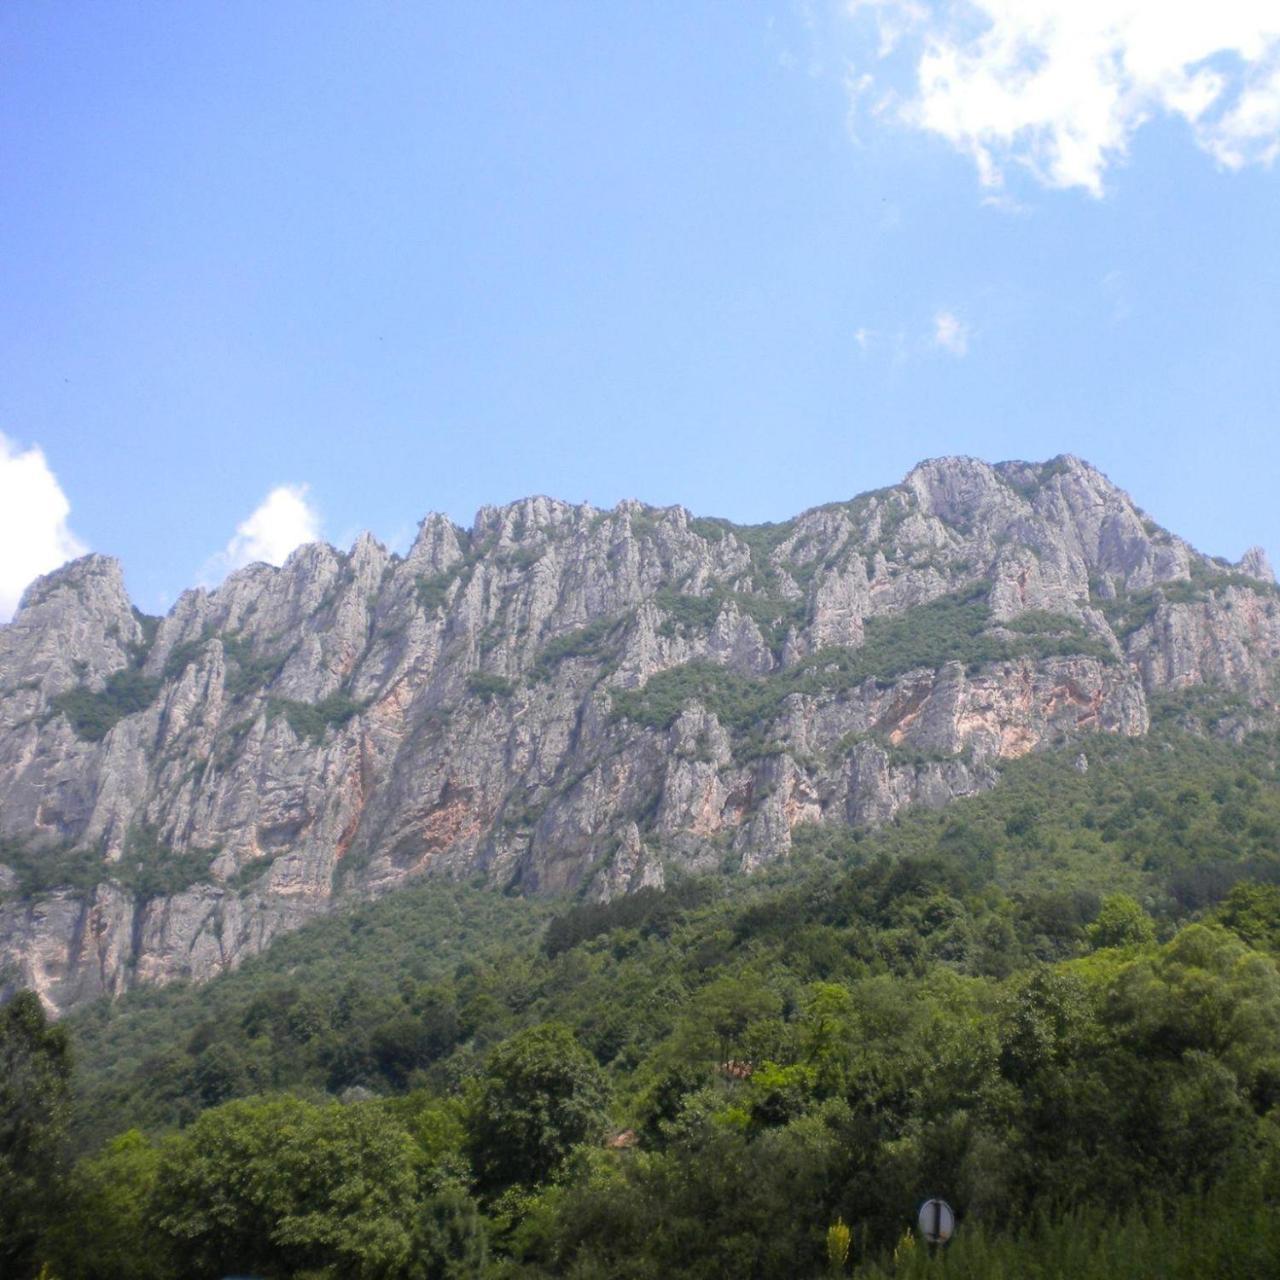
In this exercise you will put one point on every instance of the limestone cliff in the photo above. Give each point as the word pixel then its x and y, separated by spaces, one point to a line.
pixel 562 698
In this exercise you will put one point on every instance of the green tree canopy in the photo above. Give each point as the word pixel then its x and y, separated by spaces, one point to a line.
pixel 35 1073
pixel 540 1096
pixel 1121 923
pixel 279 1185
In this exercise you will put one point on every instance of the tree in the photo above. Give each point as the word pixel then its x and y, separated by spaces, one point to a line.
pixel 1121 923
pixel 35 1072
pixel 279 1185
pixel 1253 912
pixel 541 1095
pixel 452 1238
pixel 105 1231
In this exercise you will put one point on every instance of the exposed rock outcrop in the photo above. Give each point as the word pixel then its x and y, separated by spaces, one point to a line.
pixel 564 699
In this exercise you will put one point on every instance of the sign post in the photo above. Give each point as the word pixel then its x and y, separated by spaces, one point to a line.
pixel 937 1221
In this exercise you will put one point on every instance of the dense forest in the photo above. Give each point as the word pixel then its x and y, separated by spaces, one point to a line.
pixel 1056 1004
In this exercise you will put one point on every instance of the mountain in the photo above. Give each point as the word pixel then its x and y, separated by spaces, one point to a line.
pixel 565 699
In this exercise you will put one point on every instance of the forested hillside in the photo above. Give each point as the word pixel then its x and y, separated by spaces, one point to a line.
pixel 1057 1004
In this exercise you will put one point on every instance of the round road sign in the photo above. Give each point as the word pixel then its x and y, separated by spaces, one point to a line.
pixel 937 1221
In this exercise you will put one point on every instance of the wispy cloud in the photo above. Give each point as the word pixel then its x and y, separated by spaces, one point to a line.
pixel 34 534
pixel 283 521
pixel 1061 86
pixel 950 333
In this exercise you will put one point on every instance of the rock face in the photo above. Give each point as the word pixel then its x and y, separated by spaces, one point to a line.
pixel 568 699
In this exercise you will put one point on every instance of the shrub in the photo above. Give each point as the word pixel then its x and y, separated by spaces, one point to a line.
pixel 38 870
pixel 598 640
pixel 487 687
pixel 93 714
pixel 952 628
pixel 151 869
pixel 433 589
pixel 312 720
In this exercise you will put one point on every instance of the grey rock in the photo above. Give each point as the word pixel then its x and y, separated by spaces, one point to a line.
pixel 1255 563
pixel 336 727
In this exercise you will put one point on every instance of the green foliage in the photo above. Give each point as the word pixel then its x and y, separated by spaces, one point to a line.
pixel 317 1011
pixel 598 641
pixel 652 911
pixel 280 1186
pixel 433 589
pixel 1015 1003
pixel 1203 709
pixel 1032 477
pixel 952 628
pixel 1121 923
pixel 452 1237
pixel 710 528
pixel 182 655
pixel 540 1095
pixel 775 615
pixel 248 872
pixel 487 686
pixel 40 868
pixel 94 713
pixel 312 720
pixel 1129 611
pixel 839 1237
pixel 1188 1239
pixel 761 542
pixel 523 557
pixel 736 699
pixel 150 627
pixel 1056 634
pixel 151 869
pixel 35 1072
pixel 1252 911
pixel 250 672
pixel 109 1196
pixel 685 613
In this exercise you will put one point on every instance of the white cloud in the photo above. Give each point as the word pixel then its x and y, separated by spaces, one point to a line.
pixel 1061 86
pixel 283 521
pixel 34 535
pixel 950 333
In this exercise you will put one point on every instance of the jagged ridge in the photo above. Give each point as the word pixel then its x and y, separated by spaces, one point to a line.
pixel 567 699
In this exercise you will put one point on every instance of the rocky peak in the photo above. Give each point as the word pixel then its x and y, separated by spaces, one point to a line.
pixel 1255 563
pixel 73 626
pixel 438 546
pixel 957 490
pixel 566 699
pixel 520 522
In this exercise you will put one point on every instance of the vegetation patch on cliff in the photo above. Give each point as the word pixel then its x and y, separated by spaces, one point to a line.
pixel 39 869
pixel 432 589
pixel 149 868
pixel 956 627
pixel 312 720
pixel 600 641
pixel 93 713
pixel 775 615
pixel 1130 611
pixel 487 686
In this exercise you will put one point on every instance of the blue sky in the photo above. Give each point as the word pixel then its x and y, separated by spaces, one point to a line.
pixel 386 258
